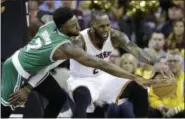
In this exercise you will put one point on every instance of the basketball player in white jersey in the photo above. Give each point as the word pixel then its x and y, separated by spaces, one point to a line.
pixel 85 84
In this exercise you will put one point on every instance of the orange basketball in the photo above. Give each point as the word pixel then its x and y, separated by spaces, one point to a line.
pixel 164 88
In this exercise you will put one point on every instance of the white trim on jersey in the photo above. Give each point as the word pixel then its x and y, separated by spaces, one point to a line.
pixel 46 24
pixel 19 68
pixel 53 51
pixel 35 80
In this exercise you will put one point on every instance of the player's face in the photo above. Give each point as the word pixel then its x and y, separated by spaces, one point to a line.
pixel 102 27
pixel 72 27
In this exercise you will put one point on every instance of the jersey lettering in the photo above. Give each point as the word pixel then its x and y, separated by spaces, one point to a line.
pixel 95 71
pixel 38 43
pixel 46 37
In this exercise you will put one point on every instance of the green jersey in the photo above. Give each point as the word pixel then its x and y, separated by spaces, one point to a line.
pixel 32 62
pixel 38 53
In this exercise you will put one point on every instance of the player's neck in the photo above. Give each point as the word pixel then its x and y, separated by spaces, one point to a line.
pixel 63 32
pixel 97 41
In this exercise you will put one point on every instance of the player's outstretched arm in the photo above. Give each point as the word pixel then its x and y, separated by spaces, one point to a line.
pixel 121 40
pixel 76 53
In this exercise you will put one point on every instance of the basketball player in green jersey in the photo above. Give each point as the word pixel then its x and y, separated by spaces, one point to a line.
pixel 49 48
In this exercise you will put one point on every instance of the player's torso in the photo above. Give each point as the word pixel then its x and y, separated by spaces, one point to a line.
pixel 39 52
pixel 81 70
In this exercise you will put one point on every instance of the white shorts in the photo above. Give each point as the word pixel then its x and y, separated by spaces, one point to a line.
pixel 103 88
pixel 94 84
pixel 112 89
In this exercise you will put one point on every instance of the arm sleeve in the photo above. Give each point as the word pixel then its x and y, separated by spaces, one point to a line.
pixel 44 16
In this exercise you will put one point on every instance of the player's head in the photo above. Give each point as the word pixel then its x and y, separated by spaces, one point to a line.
pixel 100 24
pixel 66 21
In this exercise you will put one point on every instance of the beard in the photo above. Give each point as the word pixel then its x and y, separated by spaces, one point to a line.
pixel 72 34
pixel 100 36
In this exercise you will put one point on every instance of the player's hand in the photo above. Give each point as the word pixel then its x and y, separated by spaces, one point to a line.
pixel 171 112
pixel 164 70
pixel 19 97
pixel 143 82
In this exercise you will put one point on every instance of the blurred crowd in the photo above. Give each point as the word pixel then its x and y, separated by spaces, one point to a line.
pixel 160 32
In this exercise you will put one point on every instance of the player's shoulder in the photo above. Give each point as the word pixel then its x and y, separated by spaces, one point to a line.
pixel 115 32
pixel 79 41
pixel 48 25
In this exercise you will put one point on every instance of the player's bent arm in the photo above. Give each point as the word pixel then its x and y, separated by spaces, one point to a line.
pixel 121 40
pixel 82 57
pixel 44 16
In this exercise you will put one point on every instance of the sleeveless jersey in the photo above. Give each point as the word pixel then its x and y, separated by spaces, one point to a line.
pixel 38 53
pixel 81 70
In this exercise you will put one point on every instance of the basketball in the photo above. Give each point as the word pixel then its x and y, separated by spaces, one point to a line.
pixel 164 88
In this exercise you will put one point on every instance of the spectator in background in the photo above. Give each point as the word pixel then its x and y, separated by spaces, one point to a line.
pixel 180 3
pixel 128 62
pixel 173 104
pixel 136 94
pixel 115 15
pixel 176 38
pixel 69 3
pixel 156 43
pixel 50 5
pixel 84 8
pixel 33 7
pixel 174 12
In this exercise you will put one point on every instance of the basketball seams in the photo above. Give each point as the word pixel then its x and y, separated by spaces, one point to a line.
pixel 165 93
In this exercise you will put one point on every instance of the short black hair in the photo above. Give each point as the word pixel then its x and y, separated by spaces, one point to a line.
pixel 62 15
pixel 97 14
pixel 155 31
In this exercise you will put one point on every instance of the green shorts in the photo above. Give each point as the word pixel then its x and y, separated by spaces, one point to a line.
pixel 11 81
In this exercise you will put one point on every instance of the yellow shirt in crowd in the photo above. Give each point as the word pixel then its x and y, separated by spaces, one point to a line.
pixel 176 101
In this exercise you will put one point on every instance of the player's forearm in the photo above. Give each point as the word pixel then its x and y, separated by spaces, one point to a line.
pixel 139 53
pixel 116 71
pixel 145 57
pixel 106 66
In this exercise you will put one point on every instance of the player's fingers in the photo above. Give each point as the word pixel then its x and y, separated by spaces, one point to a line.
pixel 162 72
pixel 171 76
pixel 13 95
pixel 22 102
pixel 14 100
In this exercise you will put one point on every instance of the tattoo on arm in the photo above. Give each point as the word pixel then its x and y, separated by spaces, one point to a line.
pixel 78 41
pixel 140 53
pixel 121 40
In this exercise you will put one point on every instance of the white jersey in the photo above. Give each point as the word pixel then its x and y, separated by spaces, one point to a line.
pixel 84 71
